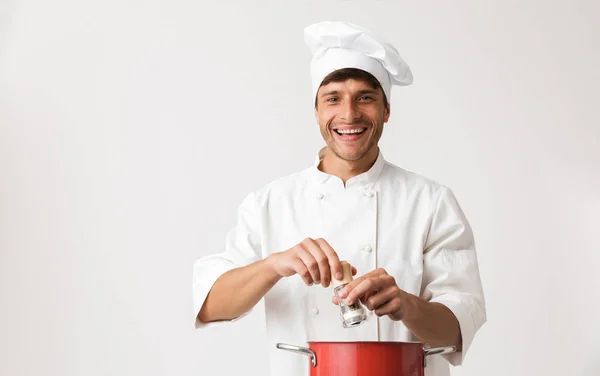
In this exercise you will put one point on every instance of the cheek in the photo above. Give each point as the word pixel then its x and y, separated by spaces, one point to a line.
pixel 377 120
pixel 324 120
pixel 327 112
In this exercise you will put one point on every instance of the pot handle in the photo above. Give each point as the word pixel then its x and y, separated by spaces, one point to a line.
pixel 437 351
pixel 440 350
pixel 299 350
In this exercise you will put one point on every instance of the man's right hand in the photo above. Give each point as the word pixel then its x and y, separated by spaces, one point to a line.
pixel 313 259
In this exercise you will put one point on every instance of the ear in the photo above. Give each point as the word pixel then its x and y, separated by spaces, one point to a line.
pixel 386 115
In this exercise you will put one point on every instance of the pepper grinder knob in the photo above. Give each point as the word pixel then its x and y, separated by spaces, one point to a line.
pixel 346 275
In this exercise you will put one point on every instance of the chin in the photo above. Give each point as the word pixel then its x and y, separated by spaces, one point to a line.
pixel 351 156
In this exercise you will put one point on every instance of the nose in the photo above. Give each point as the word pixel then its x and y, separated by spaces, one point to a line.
pixel 349 112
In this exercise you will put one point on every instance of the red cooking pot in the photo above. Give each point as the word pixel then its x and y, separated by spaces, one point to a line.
pixel 366 358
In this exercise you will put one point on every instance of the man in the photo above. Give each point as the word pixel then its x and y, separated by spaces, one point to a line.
pixel 409 243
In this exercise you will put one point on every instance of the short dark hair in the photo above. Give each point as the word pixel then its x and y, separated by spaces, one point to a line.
pixel 344 74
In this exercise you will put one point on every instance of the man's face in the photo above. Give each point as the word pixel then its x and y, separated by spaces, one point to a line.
pixel 351 115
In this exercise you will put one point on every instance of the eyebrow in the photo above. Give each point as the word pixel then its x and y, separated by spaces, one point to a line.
pixel 331 92
pixel 362 92
pixel 368 92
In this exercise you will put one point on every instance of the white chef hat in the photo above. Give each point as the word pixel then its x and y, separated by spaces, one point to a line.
pixel 336 45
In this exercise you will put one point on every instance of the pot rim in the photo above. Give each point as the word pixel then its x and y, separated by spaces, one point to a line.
pixel 369 342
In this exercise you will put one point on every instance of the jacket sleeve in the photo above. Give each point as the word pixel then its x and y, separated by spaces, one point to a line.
pixel 451 271
pixel 242 247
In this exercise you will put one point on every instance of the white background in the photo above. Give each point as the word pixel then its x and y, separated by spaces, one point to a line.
pixel 131 130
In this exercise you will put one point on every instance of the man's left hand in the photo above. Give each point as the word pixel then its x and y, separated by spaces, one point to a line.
pixel 378 291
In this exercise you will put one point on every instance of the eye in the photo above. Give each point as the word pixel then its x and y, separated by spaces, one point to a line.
pixel 366 98
pixel 331 99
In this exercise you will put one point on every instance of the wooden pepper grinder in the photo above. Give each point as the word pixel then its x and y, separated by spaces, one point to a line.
pixel 354 314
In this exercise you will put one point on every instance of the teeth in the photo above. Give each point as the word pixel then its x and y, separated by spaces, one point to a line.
pixel 350 131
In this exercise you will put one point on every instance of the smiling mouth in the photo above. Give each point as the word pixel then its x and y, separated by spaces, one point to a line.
pixel 350 132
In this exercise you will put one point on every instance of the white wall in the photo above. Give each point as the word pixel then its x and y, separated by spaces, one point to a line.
pixel 131 130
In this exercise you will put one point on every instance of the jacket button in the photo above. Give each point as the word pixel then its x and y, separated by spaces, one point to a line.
pixel 369 194
pixel 314 310
pixel 320 196
pixel 367 249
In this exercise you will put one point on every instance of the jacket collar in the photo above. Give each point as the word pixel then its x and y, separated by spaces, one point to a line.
pixel 366 179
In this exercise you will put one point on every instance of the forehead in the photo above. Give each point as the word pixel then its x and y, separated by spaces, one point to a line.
pixel 349 86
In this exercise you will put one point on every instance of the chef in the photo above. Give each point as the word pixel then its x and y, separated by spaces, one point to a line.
pixel 409 243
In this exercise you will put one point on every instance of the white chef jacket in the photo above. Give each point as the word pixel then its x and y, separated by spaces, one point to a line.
pixel 386 218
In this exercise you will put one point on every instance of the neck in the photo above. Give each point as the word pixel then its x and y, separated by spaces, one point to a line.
pixel 345 170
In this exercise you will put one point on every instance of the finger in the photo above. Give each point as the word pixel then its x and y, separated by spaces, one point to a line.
pixel 310 262
pixel 354 271
pixel 322 261
pixel 391 307
pixel 376 300
pixel 383 310
pixel 367 285
pixel 349 287
pixel 365 298
pixel 372 274
pixel 334 261
pixel 334 300
pixel 300 269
